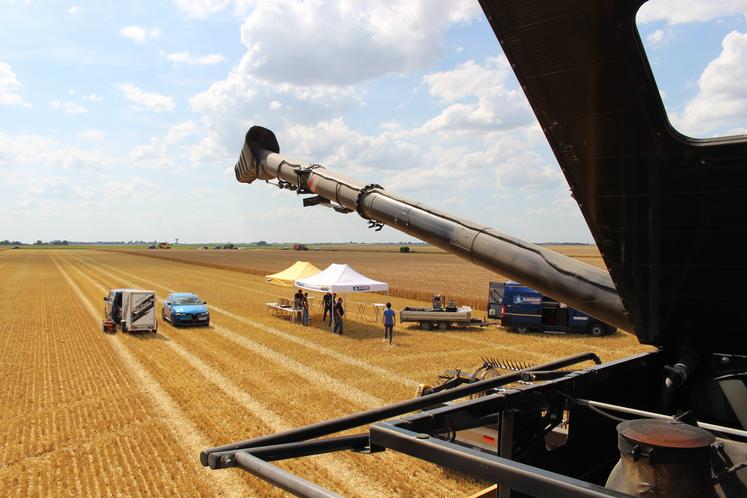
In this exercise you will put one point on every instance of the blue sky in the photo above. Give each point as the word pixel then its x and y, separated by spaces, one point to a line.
pixel 122 121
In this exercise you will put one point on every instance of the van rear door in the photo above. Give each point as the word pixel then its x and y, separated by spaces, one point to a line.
pixel 142 311
pixel 495 298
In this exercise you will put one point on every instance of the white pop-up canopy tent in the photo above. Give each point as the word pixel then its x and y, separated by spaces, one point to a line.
pixel 340 278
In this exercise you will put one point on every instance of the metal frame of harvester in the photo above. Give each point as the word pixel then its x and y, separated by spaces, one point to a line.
pixel 665 210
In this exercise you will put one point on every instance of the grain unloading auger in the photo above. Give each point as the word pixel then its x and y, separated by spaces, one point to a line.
pixel 668 214
pixel 565 279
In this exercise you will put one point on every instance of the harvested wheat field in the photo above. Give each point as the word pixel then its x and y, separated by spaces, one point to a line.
pixel 415 275
pixel 85 413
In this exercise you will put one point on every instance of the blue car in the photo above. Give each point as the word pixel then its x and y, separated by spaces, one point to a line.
pixel 184 308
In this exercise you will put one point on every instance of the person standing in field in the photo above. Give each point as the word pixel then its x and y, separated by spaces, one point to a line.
pixel 339 313
pixel 388 323
pixel 305 308
pixel 328 301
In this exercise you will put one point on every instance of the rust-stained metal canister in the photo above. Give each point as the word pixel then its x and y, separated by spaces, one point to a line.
pixel 663 459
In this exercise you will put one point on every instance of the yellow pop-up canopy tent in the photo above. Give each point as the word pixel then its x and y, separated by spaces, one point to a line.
pixel 299 269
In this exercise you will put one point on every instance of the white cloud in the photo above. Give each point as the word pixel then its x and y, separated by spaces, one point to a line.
pixel 152 153
pixel 201 8
pixel 93 98
pixel 158 151
pixel 185 57
pixel 684 11
pixel 340 43
pixel 469 79
pixel 140 34
pixel 34 151
pixel 153 101
pixel 54 194
pixel 180 131
pixel 311 65
pixel 68 107
pixel 721 102
pixel 564 207
pixel 10 87
pixel 518 166
pixel 209 152
pixel 333 142
pixel 91 134
pixel 230 106
pixel 659 37
pixel 74 9
pixel 493 105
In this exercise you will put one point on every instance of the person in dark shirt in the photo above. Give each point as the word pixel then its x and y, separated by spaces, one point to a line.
pixel 339 313
pixel 305 309
pixel 328 301
pixel 297 298
pixel 389 323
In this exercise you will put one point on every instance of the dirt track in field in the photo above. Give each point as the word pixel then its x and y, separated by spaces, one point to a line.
pixel 83 413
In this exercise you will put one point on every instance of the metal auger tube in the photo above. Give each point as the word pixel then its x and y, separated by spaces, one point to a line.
pixel 578 284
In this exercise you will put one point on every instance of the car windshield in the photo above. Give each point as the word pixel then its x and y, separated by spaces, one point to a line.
pixel 182 300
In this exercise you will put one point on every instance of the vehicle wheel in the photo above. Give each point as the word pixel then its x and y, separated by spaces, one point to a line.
pixel 425 326
pixel 171 320
pixel 596 329
pixel 522 330
pixel 443 326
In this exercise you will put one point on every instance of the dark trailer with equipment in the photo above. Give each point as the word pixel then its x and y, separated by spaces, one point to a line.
pixel 665 210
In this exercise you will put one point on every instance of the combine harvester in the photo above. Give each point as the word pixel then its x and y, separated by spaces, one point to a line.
pixel 668 215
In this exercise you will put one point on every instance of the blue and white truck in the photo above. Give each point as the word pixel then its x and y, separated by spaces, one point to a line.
pixel 523 309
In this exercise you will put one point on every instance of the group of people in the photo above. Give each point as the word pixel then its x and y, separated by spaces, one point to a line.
pixel 301 302
pixel 333 307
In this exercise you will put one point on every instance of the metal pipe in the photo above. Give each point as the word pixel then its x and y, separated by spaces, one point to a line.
pixel 521 477
pixel 646 414
pixel 281 478
pixel 221 456
pixel 583 286
pixel 357 442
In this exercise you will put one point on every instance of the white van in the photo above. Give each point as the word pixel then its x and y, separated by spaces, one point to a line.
pixel 134 310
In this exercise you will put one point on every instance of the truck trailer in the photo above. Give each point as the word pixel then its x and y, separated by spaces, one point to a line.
pixel 523 309
pixel 436 318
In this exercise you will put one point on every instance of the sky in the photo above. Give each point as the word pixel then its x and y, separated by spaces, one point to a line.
pixel 123 120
